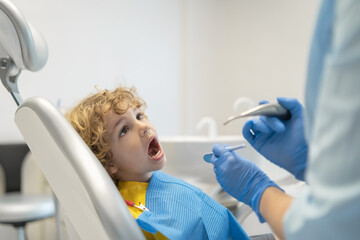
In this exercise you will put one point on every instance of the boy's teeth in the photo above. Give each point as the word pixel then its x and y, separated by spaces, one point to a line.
pixel 157 154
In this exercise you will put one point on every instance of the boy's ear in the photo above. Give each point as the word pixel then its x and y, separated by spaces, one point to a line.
pixel 112 169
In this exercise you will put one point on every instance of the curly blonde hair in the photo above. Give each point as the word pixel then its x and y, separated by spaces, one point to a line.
pixel 88 118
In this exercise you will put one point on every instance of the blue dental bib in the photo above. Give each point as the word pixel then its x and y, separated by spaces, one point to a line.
pixel 181 211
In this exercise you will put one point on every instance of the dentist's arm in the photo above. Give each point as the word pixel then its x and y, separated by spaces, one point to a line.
pixel 274 203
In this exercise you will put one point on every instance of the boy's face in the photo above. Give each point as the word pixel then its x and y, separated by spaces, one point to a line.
pixel 134 145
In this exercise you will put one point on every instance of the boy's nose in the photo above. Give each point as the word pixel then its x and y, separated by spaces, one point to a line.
pixel 144 130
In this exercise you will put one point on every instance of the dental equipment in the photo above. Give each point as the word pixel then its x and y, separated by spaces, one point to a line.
pixel 268 109
pixel 22 47
pixel 207 157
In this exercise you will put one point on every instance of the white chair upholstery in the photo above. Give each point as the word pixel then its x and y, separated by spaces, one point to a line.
pixel 93 207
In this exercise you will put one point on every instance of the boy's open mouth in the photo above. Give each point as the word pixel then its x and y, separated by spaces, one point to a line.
pixel 154 150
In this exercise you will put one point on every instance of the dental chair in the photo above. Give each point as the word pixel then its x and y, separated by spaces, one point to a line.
pixel 92 206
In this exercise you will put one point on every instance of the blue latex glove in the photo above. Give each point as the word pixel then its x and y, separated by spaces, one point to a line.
pixel 281 142
pixel 240 177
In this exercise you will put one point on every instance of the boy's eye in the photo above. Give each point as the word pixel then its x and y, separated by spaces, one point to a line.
pixel 123 131
pixel 139 116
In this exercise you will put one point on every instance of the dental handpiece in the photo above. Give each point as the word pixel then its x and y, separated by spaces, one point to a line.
pixel 268 109
pixel 207 157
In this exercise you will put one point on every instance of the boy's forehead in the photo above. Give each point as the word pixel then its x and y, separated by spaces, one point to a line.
pixel 113 118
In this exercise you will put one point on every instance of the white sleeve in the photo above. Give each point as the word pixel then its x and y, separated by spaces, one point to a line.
pixel 330 207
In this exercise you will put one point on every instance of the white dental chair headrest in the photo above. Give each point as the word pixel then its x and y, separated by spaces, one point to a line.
pixel 19 40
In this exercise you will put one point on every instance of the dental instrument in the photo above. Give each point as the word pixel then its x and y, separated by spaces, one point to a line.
pixel 268 109
pixel 207 157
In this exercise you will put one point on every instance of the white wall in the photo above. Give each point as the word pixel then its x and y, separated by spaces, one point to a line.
pixel 188 58
pixel 235 48
pixel 100 43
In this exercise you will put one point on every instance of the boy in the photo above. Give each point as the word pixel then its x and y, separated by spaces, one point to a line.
pixel 113 124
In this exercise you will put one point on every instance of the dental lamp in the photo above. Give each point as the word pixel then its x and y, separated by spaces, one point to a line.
pixel 21 47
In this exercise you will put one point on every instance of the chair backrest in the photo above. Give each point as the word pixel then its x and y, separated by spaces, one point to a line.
pixel 87 194
pixel 11 159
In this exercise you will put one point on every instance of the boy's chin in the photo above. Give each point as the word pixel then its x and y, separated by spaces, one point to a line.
pixel 161 163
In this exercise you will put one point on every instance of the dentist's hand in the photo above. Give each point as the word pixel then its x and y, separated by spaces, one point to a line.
pixel 239 177
pixel 281 142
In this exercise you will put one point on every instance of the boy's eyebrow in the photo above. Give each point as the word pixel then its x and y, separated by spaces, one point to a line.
pixel 121 119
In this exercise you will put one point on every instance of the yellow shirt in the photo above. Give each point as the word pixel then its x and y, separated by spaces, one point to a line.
pixel 136 192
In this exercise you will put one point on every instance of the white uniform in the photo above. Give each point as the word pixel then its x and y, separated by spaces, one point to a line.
pixel 330 207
